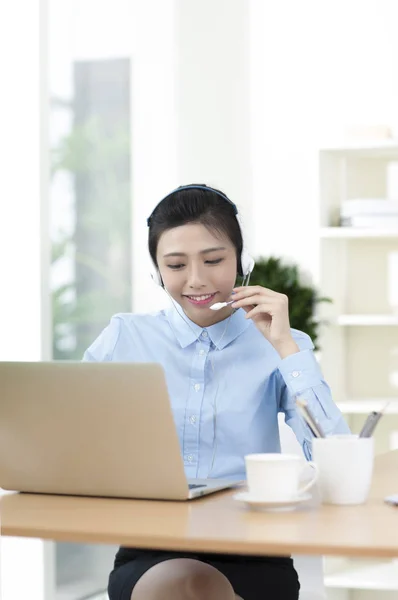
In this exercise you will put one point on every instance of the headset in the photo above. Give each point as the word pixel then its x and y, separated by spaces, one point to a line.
pixel 246 261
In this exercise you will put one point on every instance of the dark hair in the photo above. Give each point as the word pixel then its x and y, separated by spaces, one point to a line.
pixel 195 205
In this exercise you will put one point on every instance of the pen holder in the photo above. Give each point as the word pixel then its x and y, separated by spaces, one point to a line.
pixel 345 465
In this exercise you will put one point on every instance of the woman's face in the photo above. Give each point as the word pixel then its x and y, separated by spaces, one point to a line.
pixel 198 268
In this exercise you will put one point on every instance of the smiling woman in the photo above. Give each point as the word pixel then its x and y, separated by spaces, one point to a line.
pixel 229 373
pixel 194 233
pixel 195 271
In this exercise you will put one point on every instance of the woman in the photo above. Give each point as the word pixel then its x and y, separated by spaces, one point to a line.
pixel 229 372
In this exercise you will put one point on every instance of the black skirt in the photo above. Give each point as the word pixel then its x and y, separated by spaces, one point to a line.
pixel 252 577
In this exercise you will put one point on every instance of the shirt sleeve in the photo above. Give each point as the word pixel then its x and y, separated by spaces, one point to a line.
pixel 301 375
pixel 102 349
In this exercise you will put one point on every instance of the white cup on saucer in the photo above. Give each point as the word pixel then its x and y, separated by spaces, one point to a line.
pixel 277 477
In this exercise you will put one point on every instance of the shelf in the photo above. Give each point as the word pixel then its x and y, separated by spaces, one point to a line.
pixel 380 148
pixel 363 406
pixel 358 233
pixel 367 320
pixel 374 576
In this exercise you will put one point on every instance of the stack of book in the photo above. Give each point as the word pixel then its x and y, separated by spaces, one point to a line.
pixel 369 212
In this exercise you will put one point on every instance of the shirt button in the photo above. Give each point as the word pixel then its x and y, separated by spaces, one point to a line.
pixel 202 352
pixel 197 387
pixel 192 419
pixel 296 374
pixel 189 458
pixel 204 334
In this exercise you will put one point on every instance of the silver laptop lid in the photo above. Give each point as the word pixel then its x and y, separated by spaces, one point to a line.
pixel 98 429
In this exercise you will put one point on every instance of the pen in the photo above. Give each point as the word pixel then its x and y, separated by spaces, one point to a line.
pixel 370 424
pixel 308 417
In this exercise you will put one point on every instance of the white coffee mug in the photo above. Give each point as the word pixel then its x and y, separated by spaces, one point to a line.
pixel 345 465
pixel 277 477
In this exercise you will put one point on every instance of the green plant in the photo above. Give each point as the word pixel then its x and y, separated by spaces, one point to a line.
pixel 279 276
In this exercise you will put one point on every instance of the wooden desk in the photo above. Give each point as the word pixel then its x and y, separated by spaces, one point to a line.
pixel 215 523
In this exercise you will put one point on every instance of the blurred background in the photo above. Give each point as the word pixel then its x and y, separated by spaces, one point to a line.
pixel 289 107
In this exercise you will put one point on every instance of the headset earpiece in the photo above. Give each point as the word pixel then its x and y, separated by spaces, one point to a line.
pixel 155 274
pixel 247 263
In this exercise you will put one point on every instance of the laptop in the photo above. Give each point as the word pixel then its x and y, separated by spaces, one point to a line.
pixel 92 429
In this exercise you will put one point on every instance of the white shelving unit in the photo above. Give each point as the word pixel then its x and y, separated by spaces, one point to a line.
pixel 343 233
pixel 363 406
pixel 365 575
pixel 359 344
pixel 377 320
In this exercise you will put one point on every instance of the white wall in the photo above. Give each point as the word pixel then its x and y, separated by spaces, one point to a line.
pixel 23 251
pixel 23 245
pixel 213 97
pixel 154 134
pixel 316 67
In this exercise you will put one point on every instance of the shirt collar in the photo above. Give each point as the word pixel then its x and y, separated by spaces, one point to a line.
pixel 221 334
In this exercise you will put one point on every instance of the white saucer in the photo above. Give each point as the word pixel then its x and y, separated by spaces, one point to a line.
pixel 266 505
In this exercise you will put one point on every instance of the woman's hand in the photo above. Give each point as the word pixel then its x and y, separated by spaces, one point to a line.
pixel 270 313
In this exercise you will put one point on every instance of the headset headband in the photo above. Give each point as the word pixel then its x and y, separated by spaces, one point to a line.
pixel 194 187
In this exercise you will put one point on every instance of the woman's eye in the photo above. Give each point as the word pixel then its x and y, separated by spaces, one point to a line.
pixel 214 262
pixel 175 267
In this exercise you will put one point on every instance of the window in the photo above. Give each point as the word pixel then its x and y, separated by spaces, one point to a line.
pixel 90 191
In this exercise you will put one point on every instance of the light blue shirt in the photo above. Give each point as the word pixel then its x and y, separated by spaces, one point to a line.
pixel 226 383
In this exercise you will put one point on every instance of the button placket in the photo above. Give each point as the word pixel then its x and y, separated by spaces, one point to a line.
pixel 194 404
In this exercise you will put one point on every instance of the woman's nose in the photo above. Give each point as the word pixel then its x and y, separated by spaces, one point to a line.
pixel 195 277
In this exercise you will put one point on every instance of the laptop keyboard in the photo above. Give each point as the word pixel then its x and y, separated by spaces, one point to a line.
pixel 193 486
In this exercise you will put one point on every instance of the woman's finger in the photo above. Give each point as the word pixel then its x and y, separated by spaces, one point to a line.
pixel 267 309
pixel 249 300
pixel 243 291
pixel 255 311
